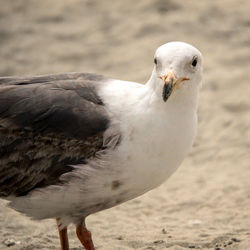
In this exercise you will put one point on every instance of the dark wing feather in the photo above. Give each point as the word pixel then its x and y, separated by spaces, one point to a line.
pixel 47 124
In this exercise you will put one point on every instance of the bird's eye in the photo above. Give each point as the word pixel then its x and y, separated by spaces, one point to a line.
pixel 155 61
pixel 194 61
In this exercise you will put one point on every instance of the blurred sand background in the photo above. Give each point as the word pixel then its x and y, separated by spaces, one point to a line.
pixel 206 203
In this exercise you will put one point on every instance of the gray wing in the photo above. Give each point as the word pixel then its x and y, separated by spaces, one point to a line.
pixel 47 124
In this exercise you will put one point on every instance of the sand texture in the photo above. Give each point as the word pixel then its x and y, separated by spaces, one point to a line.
pixel 206 203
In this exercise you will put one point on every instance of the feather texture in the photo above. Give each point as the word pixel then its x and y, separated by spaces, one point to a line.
pixel 47 124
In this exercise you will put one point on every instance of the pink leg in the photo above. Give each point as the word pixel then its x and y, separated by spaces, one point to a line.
pixel 84 236
pixel 63 236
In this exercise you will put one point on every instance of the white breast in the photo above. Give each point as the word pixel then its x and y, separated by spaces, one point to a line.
pixel 154 146
pixel 155 137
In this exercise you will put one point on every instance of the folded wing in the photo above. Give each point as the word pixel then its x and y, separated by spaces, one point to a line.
pixel 47 124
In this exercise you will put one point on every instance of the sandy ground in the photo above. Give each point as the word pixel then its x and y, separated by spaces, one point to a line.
pixel 206 203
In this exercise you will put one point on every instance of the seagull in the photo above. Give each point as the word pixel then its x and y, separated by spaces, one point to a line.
pixel 77 143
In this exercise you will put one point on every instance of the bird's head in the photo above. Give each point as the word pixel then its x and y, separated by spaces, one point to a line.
pixel 177 69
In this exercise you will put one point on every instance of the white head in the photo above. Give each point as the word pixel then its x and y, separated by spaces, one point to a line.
pixel 177 72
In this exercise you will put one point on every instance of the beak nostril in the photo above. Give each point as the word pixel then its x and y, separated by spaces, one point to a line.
pixel 164 77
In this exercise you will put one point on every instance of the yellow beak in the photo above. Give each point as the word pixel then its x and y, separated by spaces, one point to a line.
pixel 171 83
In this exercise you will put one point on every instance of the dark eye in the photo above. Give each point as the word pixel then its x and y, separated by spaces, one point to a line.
pixel 155 61
pixel 194 62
